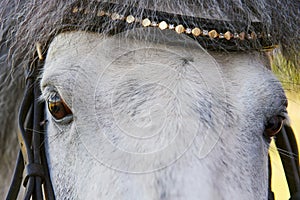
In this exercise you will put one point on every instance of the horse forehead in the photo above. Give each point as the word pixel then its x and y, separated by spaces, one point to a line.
pixel 86 61
pixel 94 52
pixel 86 52
pixel 82 44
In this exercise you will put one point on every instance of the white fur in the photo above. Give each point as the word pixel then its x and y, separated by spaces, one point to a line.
pixel 158 118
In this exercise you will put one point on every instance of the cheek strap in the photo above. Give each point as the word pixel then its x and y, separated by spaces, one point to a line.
pixel 31 161
pixel 286 142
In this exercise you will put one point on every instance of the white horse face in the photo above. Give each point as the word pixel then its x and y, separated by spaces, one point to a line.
pixel 157 118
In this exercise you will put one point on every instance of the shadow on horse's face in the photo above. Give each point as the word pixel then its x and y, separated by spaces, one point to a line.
pixel 156 118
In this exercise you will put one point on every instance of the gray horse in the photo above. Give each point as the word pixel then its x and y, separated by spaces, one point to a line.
pixel 149 99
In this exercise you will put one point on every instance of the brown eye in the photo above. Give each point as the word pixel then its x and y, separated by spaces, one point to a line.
pixel 274 126
pixel 57 107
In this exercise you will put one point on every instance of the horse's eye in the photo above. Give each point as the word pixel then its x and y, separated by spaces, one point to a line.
pixel 274 126
pixel 58 108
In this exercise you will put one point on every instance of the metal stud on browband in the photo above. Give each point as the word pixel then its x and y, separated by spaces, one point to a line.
pixel 179 28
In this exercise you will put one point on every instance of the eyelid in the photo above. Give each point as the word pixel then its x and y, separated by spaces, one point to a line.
pixel 283 113
pixel 67 119
pixel 49 90
pixel 286 118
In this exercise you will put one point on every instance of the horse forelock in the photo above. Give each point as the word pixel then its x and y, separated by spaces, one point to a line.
pixel 25 23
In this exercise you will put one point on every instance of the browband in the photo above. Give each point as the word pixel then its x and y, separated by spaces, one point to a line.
pixel 212 34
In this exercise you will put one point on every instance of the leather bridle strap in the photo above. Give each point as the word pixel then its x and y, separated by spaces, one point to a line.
pixel 32 158
pixel 271 195
pixel 287 146
pixel 286 142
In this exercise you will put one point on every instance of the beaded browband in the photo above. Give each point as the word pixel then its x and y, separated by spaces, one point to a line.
pixel 178 28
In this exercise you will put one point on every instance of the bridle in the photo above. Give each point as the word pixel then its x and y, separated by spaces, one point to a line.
pixel 31 167
pixel 286 141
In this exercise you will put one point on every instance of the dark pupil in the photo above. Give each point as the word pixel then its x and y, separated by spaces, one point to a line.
pixel 273 123
pixel 55 107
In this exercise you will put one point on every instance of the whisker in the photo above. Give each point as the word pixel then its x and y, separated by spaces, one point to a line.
pixel 282 152
pixel 53 138
pixel 29 129
pixel 287 153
